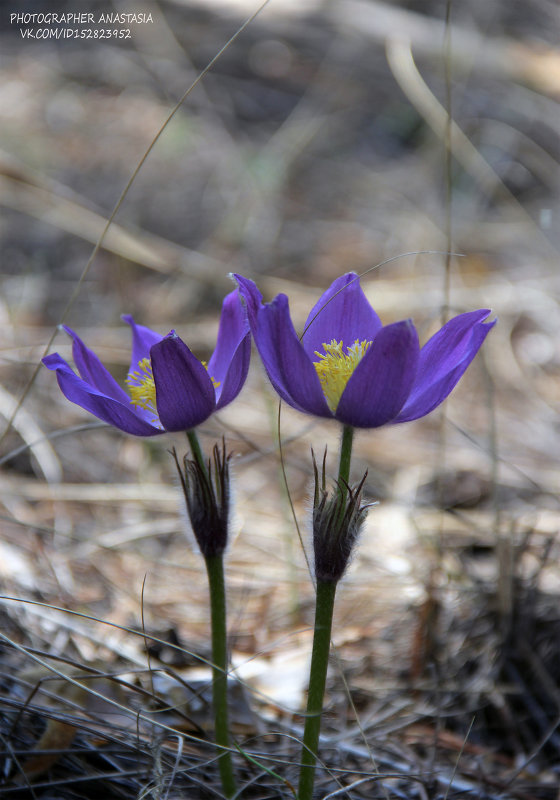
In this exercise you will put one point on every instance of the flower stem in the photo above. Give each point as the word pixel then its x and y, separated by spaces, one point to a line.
pixel 216 585
pixel 345 455
pixel 344 464
pixel 326 591
pixel 196 450
pixel 215 570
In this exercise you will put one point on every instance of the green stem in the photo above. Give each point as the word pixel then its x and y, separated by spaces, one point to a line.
pixel 196 450
pixel 215 569
pixel 345 454
pixel 216 585
pixel 326 591
pixel 317 680
pixel 344 465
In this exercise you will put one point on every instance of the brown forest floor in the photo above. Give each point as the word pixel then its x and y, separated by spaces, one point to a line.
pixel 314 146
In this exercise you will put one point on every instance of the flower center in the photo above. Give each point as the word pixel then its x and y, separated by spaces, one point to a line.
pixel 142 387
pixel 335 368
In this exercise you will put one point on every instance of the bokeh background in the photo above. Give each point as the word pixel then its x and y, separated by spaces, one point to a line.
pixel 316 144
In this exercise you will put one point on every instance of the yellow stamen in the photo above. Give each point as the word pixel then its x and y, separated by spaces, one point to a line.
pixel 215 383
pixel 335 368
pixel 143 388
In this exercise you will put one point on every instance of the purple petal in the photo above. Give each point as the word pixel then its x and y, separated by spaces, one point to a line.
pixel 443 360
pixel 381 382
pixel 108 409
pixel 185 395
pixel 230 360
pixel 289 368
pixel 236 374
pixel 342 313
pixel 143 339
pixel 92 370
pixel 252 297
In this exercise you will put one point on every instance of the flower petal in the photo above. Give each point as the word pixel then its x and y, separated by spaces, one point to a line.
pixel 185 395
pixel 380 384
pixel 143 339
pixel 236 374
pixel 342 313
pixel 289 368
pixel 92 370
pixel 229 363
pixel 108 409
pixel 443 360
pixel 252 298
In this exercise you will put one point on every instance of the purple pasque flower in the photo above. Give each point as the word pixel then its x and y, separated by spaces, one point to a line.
pixel 349 366
pixel 169 389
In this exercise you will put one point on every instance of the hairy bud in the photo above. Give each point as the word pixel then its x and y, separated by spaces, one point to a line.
pixel 207 495
pixel 337 520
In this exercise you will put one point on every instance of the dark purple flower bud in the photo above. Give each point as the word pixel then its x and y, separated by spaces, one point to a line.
pixel 337 520
pixel 207 495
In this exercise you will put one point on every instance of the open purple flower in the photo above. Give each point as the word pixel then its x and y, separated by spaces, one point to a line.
pixel 347 365
pixel 169 388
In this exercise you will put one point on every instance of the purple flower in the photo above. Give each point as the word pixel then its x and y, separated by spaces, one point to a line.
pixel 349 366
pixel 169 389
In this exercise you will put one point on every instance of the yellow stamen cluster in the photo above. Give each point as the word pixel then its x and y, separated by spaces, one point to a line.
pixel 143 388
pixel 335 368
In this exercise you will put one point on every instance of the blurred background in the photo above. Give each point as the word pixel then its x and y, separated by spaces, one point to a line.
pixel 316 144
